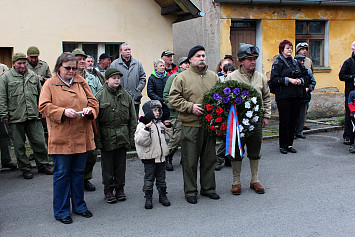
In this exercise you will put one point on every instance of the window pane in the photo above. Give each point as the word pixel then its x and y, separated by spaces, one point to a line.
pixel 69 47
pixel 91 49
pixel 113 50
pixel 316 52
pixel 301 27
pixel 316 27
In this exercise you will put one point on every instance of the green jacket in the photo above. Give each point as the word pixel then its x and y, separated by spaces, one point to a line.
pixel 188 89
pixel 19 96
pixel 93 82
pixel 116 122
pixel 169 82
pixel 41 69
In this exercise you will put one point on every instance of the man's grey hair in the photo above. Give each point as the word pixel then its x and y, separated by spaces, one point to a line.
pixel 157 61
pixel 91 57
pixel 122 45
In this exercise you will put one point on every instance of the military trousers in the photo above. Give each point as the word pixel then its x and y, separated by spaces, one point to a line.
pixel 113 165
pixel 34 131
pixel 197 145
pixel 5 144
pixel 175 139
pixel 90 163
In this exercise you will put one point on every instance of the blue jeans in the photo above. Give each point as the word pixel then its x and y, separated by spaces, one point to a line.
pixel 68 182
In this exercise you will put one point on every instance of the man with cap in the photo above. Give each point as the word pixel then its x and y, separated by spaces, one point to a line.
pixel 185 96
pixel 95 85
pixel 40 67
pixel 347 74
pixel 247 55
pixel 170 67
pixel 302 48
pixel 309 86
pixel 174 142
pixel 89 62
pixel 104 63
pixel 19 94
pixel 134 78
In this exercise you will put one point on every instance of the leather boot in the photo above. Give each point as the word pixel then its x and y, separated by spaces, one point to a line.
pixel 148 199
pixel 109 196
pixel 120 195
pixel 169 163
pixel 163 199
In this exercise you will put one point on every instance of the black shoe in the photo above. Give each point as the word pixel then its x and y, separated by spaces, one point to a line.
pixel 31 157
pixel 66 220
pixel 214 196
pixel 169 163
pixel 10 165
pixel 300 136
pixel 89 186
pixel 191 199
pixel 148 199
pixel 347 141
pixel 27 175
pixel 46 170
pixel 219 166
pixel 291 149
pixel 86 214
pixel 283 150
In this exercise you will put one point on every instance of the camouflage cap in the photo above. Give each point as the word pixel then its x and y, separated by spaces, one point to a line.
pixel 79 52
pixel 18 56
pixel 33 51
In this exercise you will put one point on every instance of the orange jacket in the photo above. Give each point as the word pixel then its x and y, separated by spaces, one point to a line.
pixel 68 135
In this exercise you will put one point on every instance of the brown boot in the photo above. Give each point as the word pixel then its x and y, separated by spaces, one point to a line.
pixel 257 187
pixel 236 189
pixel 109 197
pixel 120 195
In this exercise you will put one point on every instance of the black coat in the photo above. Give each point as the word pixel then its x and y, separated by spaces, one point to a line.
pixel 347 74
pixel 155 89
pixel 280 71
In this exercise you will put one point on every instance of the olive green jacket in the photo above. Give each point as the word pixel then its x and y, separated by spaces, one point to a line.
pixel 19 96
pixel 41 69
pixel 169 82
pixel 116 122
pixel 188 89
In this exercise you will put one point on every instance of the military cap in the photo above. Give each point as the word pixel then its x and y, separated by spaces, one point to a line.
pixel 18 56
pixel 79 52
pixel 182 60
pixel 112 71
pixel 33 51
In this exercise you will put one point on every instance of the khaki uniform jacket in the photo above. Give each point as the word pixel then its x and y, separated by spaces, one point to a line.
pixel 19 96
pixel 152 144
pixel 68 135
pixel 308 64
pixel 259 83
pixel 188 89
pixel 116 122
pixel 41 69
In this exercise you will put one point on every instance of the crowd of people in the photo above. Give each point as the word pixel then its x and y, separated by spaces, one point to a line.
pixel 85 109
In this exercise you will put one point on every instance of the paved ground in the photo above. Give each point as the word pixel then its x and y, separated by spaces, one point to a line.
pixel 310 193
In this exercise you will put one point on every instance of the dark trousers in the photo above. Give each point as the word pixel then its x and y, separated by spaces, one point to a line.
pixel 113 165
pixel 347 124
pixel 289 109
pixel 5 144
pixel 153 172
pixel 253 144
pixel 352 134
pixel 301 118
pixel 90 163
pixel 68 183
pixel 136 107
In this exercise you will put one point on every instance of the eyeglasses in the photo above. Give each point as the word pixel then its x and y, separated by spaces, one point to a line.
pixel 68 68
pixel 252 50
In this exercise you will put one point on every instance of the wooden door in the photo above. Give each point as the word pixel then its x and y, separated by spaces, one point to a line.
pixel 6 56
pixel 240 36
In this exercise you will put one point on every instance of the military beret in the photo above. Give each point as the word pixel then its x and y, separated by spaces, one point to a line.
pixel 194 50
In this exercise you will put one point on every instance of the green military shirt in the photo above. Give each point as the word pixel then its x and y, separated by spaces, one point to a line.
pixel 19 96
pixel 41 69
pixel 93 81
pixel 116 122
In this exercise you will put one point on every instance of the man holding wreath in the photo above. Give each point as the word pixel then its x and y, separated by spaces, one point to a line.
pixel 247 55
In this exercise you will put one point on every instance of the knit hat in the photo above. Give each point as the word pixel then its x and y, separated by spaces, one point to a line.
pixel 148 106
pixel 182 60
pixel 18 56
pixel 194 50
pixel 79 52
pixel 112 71
pixel 33 51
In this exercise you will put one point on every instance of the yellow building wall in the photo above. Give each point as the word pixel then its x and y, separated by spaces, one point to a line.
pixel 278 23
pixel 46 23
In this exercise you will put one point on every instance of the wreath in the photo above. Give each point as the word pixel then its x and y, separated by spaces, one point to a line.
pixel 218 101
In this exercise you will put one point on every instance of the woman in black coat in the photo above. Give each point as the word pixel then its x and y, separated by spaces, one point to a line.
pixel 156 84
pixel 288 77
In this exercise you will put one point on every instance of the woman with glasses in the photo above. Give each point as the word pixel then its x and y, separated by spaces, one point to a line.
pixel 69 106
pixel 288 76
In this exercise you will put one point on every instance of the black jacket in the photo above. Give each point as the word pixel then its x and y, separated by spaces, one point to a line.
pixel 281 72
pixel 155 89
pixel 347 74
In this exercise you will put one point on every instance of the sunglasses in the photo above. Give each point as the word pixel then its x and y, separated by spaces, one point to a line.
pixel 68 68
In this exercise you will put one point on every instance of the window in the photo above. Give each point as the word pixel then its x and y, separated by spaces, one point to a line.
pixel 312 32
pixel 94 49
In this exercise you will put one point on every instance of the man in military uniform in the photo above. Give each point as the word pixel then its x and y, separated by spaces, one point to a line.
pixel 196 144
pixel 19 92
pixel 104 63
pixel 36 65
pixel 95 86
pixel 247 55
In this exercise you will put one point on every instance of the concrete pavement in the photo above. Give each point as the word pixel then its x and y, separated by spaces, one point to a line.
pixel 310 193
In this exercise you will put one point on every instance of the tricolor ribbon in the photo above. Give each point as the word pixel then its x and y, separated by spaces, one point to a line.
pixel 233 133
